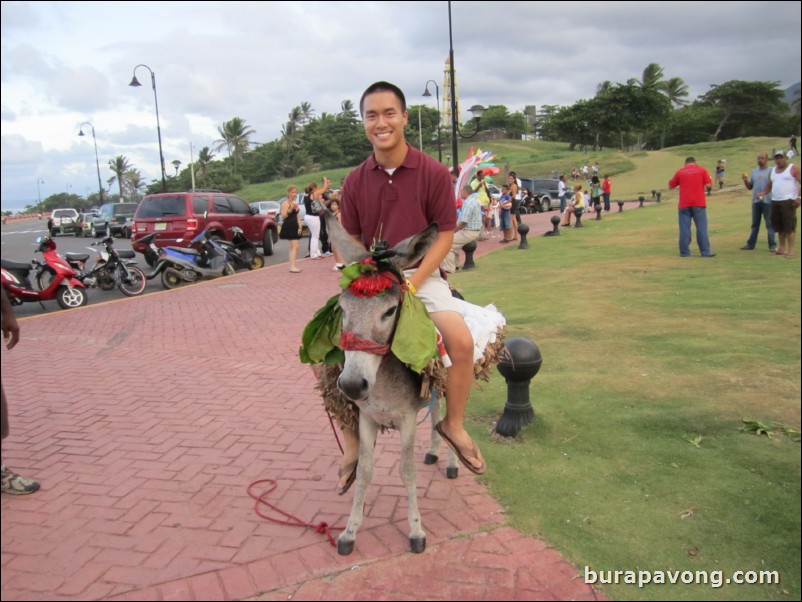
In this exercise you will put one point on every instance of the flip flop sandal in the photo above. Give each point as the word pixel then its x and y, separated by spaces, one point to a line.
pixel 351 477
pixel 462 457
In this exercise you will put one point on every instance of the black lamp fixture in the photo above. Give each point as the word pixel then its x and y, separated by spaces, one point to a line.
pixel 437 99
pixel 135 83
pixel 476 110
pixel 176 163
pixel 97 161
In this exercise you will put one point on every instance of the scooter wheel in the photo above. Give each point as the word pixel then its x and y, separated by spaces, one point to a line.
pixel 69 297
pixel 170 279
pixel 256 263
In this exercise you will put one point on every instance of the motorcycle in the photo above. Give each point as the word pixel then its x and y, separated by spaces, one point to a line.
pixel 241 251
pixel 183 265
pixel 64 286
pixel 112 268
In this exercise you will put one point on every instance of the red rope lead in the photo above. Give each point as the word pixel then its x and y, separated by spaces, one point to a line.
pixel 350 341
pixel 321 527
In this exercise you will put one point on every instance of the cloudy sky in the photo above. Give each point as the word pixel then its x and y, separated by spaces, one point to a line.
pixel 64 63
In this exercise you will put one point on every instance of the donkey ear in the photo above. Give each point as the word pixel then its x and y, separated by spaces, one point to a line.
pixel 411 250
pixel 349 249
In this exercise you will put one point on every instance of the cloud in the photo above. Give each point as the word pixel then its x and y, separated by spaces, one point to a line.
pixel 64 63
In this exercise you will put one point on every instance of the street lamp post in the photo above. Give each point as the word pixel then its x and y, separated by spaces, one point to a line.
pixel 437 99
pixel 176 164
pixel 476 110
pixel 97 161
pixel 38 191
pixel 135 83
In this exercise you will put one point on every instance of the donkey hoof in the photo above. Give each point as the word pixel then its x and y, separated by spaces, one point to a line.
pixel 430 459
pixel 418 544
pixel 452 472
pixel 344 548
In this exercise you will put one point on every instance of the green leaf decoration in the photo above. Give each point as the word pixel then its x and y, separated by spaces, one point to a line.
pixel 415 340
pixel 321 337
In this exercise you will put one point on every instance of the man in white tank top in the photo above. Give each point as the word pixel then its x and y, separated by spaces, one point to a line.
pixel 784 187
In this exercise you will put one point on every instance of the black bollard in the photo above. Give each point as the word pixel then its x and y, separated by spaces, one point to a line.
pixel 659 194
pixel 578 213
pixel 597 208
pixel 520 362
pixel 641 199
pixel 620 206
pixel 469 249
pixel 555 226
pixel 523 230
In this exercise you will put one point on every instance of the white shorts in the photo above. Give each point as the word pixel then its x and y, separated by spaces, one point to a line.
pixel 435 293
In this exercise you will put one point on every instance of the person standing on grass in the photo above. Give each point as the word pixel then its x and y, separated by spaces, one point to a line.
pixel 692 180
pixel 784 189
pixel 607 189
pixel 757 182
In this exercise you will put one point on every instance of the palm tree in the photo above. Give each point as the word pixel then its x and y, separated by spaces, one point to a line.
pixel 306 112
pixel 676 90
pixel 135 184
pixel 603 88
pixel 289 132
pixel 234 136
pixel 119 165
pixel 205 156
pixel 652 78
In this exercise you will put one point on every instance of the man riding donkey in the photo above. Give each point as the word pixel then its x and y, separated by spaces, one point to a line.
pixel 393 195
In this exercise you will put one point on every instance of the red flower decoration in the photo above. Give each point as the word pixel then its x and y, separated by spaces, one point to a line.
pixel 371 284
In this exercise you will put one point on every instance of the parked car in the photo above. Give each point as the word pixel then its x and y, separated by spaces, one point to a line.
pixel 177 217
pixel 111 219
pixel 271 208
pixel 62 221
pixel 84 226
pixel 545 192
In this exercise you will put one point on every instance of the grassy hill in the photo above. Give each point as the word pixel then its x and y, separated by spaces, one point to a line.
pixel 632 174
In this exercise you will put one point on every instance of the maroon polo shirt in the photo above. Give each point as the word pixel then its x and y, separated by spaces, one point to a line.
pixel 377 205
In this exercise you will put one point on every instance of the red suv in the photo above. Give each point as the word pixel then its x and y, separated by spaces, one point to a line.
pixel 177 217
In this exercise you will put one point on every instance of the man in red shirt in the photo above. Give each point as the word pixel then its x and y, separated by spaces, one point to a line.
pixel 692 181
pixel 393 194
pixel 607 189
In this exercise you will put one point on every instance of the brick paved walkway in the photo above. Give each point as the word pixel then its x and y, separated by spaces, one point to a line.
pixel 146 420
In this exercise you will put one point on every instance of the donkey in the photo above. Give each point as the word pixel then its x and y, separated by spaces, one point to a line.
pixel 386 391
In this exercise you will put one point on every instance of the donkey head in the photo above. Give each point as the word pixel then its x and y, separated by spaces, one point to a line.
pixel 370 306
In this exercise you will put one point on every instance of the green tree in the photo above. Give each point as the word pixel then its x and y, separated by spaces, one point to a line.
pixel 517 125
pixel 743 104
pixel 495 118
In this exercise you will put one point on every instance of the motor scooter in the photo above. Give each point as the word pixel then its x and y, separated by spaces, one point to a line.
pixel 241 251
pixel 64 287
pixel 182 265
pixel 112 268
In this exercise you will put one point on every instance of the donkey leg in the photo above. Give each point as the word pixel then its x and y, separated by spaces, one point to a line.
pixel 452 468
pixel 417 537
pixel 364 475
pixel 433 454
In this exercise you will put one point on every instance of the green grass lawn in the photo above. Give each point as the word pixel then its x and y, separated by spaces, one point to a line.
pixel 651 363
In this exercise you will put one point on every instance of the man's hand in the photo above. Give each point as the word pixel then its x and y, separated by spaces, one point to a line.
pixel 9 323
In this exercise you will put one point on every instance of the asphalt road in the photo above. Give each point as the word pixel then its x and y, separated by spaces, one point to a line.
pixel 19 244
